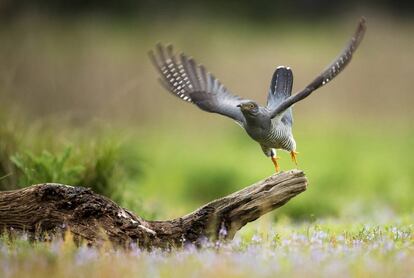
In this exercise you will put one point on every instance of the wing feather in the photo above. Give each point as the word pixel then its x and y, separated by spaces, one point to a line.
pixel 184 78
pixel 329 73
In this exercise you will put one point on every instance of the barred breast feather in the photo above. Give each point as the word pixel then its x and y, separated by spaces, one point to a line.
pixel 279 137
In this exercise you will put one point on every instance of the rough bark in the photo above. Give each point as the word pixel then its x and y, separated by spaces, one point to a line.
pixel 47 209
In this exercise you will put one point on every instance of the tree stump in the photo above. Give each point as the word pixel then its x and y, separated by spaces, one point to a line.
pixel 51 209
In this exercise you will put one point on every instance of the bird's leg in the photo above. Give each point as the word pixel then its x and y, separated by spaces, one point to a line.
pixel 274 160
pixel 293 155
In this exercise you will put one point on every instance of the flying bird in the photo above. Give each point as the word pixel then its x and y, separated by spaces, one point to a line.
pixel 270 125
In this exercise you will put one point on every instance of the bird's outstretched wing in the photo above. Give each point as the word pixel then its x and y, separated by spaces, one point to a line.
pixel 191 82
pixel 281 89
pixel 329 73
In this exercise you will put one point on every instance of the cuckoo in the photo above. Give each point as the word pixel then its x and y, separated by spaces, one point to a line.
pixel 270 125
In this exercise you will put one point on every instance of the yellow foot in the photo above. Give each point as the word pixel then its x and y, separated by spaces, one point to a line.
pixel 274 160
pixel 293 155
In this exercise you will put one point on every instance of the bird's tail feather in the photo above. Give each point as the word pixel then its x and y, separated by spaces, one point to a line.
pixel 280 86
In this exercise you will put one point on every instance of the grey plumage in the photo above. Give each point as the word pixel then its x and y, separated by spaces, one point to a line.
pixel 270 126
pixel 191 82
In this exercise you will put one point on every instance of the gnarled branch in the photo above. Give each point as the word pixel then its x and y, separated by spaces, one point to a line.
pixel 53 208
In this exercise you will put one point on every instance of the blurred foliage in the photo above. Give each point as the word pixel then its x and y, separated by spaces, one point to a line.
pixel 100 171
pixel 209 182
pixel 41 153
pixel 35 169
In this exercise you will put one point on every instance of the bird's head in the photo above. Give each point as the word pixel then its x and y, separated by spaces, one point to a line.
pixel 250 107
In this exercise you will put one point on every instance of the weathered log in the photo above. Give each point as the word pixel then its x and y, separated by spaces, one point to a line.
pixel 48 209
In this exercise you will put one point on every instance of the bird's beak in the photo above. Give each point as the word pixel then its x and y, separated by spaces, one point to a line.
pixel 238 105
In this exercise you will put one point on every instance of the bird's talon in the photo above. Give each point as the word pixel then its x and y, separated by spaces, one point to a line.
pixel 274 160
pixel 293 155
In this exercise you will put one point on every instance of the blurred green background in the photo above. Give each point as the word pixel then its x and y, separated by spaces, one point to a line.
pixel 80 102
